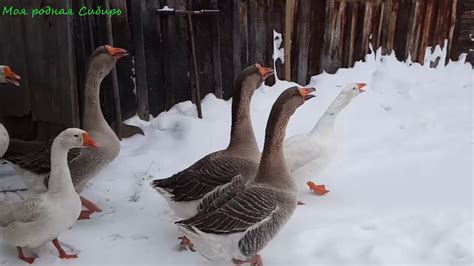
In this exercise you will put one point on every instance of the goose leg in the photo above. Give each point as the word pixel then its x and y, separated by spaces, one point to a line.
pixel 186 244
pixel 254 261
pixel 319 190
pixel 62 253
pixel 22 256
pixel 90 205
pixel 91 208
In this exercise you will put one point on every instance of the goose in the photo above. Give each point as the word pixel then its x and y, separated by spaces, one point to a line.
pixel 6 76
pixel 237 220
pixel 84 164
pixel 317 148
pixel 184 189
pixel 32 222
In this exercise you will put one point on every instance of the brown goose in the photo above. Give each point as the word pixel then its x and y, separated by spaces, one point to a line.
pixel 237 220
pixel 84 164
pixel 183 190
pixel 6 76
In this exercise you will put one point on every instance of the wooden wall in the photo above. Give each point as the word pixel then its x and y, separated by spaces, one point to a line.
pixel 50 52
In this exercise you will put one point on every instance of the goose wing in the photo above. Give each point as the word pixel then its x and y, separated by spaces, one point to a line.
pixel 21 211
pixel 202 177
pixel 248 206
pixel 38 162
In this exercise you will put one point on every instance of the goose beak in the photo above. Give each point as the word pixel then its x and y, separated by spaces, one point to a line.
pixel 11 77
pixel 306 92
pixel 88 141
pixel 265 72
pixel 115 52
pixel 361 87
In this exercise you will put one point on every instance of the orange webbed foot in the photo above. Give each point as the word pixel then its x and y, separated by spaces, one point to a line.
pixel 85 215
pixel 319 190
pixel 186 244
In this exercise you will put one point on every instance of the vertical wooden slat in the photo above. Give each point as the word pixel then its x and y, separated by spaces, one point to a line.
pixel 244 33
pixel 353 26
pixel 287 36
pixel 418 18
pixel 302 42
pixel 367 26
pixel 402 28
pixel 425 33
pixel 252 32
pixel 216 52
pixel 236 44
pixel 452 25
pixel 325 63
pixel 315 49
pixel 226 22
pixel 140 63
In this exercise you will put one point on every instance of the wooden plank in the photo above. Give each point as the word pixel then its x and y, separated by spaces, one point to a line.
pixel 236 43
pixel 164 57
pixel 418 21
pixel 452 25
pixel 287 36
pixel 154 77
pixel 244 34
pixel 368 26
pixel 426 32
pixel 203 34
pixel 402 28
pixel 261 33
pixel 316 38
pixel 51 65
pixel 353 27
pixel 227 45
pixel 325 64
pixel 216 53
pixel 140 62
pixel 252 32
pixel 302 41
pixel 14 101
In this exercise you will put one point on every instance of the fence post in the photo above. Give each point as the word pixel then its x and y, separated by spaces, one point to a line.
pixel 140 65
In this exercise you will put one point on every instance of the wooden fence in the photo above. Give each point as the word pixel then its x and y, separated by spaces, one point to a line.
pixel 50 52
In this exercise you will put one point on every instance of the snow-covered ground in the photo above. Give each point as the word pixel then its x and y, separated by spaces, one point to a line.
pixel 401 184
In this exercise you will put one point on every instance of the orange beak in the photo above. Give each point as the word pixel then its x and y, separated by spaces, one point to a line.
pixel 116 52
pixel 11 77
pixel 88 141
pixel 361 87
pixel 265 72
pixel 306 92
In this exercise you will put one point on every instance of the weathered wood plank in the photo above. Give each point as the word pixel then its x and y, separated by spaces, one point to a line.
pixel 216 52
pixel 302 41
pixel 51 65
pixel 287 36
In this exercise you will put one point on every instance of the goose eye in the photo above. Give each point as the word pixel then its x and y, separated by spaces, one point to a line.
pixel 353 88
pixel 75 135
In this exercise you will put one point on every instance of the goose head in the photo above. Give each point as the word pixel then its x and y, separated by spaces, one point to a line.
pixel 294 97
pixel 253 76
pixel 103 59
pixel 353 89
pixel 8 76
pixel 75 138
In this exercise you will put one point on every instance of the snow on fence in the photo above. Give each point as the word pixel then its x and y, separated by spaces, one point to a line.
pixel 51 51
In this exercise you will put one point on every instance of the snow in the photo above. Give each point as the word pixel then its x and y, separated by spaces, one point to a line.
pixel 278 51
pixel 401 183
pixel 166 8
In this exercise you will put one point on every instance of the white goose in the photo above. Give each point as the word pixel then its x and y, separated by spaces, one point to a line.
pixel 315 150
pixel 6 76
pixel 35 221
